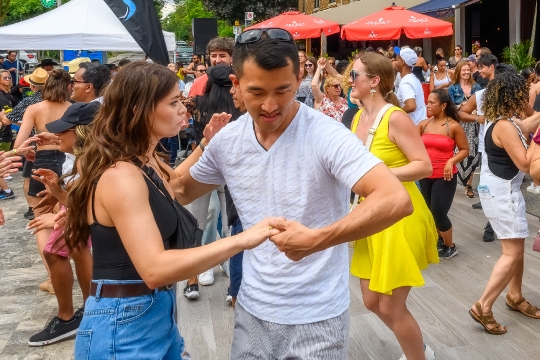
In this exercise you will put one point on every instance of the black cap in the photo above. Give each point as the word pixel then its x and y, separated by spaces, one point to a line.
pixel 77 114
pixel 219 74
pixel 47 62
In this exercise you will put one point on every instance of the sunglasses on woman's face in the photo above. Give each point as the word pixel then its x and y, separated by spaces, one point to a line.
pixel 6 77
pixel 336 86
pixel 309 65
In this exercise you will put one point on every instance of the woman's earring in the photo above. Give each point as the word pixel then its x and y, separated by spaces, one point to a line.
pixel 372 91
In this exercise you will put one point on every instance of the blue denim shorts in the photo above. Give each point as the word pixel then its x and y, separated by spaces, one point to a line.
pixel 140 327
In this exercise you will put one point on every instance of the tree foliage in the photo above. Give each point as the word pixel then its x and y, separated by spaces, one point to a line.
pixel 518 55
pixel 180 21
pixel 235 9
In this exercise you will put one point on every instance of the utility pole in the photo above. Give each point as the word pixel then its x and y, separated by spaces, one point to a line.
pixel 58 3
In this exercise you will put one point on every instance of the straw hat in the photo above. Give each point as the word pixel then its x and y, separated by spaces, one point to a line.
pixel 73 65
pixel 37 78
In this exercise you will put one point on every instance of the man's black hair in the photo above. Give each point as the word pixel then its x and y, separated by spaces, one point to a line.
pixel 502 68
pixel 341 66
pixel 267 53
pixel 123 62
pixel 487 60
pixel 97 75
pixel 96 61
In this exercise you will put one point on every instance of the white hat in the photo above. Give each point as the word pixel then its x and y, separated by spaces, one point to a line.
pixel 408 55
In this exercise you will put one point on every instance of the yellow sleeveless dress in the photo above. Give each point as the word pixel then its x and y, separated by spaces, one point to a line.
pixel 394 257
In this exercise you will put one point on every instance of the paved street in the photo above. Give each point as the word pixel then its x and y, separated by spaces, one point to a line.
pixel 440 307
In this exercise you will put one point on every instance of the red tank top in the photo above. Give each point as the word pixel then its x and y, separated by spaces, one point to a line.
pixel 440 149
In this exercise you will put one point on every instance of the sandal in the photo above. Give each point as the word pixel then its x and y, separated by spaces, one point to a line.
pixel 523 306
pixel 486 320
pixel 469 191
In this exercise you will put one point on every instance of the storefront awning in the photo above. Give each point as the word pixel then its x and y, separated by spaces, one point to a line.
pixel 345 14
pixel 432 6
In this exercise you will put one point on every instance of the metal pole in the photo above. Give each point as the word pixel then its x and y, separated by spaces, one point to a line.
pixel 58 3
pixel 16 67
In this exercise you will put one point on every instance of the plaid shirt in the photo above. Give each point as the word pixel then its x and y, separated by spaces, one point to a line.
pixel 16 115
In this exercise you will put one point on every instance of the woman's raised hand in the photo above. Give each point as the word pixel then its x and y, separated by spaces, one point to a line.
pixel 216 123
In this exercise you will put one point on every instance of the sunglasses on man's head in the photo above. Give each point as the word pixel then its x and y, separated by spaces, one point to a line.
pixel 252 36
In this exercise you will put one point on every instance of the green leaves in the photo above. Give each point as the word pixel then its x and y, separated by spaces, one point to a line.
pixel 179 21
pixel 518 55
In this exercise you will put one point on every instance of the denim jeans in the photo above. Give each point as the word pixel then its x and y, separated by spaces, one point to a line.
pixel 235 264
pixel 140 327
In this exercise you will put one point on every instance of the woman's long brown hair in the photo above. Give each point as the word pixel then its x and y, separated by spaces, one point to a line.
pixel 121 131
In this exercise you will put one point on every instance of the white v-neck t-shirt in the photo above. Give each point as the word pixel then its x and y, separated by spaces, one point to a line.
pixel 306 176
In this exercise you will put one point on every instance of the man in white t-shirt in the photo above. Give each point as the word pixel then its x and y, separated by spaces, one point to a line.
pixel 285 159
pixel 410 93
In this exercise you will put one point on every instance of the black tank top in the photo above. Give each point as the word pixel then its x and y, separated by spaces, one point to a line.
pixel 111 260
pixel 499 162
pixel 417 71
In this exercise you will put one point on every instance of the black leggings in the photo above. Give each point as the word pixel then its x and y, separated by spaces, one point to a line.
pixel 439 195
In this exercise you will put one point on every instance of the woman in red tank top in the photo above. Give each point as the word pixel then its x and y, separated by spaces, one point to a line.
pixel 446 145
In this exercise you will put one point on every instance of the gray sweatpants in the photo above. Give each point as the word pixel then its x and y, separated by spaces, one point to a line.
pixel 258 339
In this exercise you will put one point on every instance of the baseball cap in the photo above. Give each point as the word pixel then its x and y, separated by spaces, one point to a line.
pixel 407 54
pixel 219 75
pixel 77 114
pixel 472 58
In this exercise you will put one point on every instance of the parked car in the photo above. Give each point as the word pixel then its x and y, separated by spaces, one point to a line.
pixel 184 53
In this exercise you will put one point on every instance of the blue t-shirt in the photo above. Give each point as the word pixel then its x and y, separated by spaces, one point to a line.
pixel 11 65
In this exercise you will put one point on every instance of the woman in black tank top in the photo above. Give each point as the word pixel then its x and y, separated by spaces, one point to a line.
pixel 124 201
pixel 505 160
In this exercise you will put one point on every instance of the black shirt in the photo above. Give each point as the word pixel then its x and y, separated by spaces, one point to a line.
pixel 5 104
pixel 500 163
pixel 480 80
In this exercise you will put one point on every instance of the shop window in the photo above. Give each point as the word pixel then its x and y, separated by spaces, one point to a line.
pixel 317 4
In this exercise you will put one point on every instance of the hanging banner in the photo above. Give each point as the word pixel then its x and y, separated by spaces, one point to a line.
pixel 141 20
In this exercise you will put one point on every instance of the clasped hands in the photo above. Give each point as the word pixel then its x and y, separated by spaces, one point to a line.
pixel 292 238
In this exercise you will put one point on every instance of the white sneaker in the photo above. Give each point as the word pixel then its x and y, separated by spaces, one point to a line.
pixel 8 178
pixel 207 277
pixel 428 353
pixel 225 268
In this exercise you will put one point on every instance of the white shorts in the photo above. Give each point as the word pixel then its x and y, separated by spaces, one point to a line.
pixel 504 206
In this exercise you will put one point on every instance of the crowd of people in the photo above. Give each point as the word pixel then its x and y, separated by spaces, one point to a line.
pixel 278 140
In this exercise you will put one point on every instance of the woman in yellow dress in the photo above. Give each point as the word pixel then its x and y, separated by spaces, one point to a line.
pixel 389 263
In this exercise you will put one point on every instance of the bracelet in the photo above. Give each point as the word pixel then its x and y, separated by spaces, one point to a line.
pixel 14 152
pixel 202 146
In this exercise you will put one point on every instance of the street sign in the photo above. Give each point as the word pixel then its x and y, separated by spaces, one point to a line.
pixel 250 15
pixel 48 3
pixel 237 30
pixel 236 22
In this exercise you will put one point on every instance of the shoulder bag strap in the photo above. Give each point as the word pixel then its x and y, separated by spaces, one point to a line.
pixel 371 135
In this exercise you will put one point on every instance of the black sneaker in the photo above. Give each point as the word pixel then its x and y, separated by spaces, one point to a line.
pixel 191 291
pixel 440 243
pixel 29 214
pixel 6 196
pixel 57 330
pixel 228 298
pixel 477 206
pixel 489 234
pixel 448 252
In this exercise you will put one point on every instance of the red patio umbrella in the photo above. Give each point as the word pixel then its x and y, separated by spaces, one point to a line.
pixel 391 22
pixel 301 26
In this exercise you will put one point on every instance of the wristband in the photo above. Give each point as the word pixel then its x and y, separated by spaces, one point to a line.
pixel 14 152
pixel 202 146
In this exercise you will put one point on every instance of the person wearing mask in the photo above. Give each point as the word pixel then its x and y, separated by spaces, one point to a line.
pixel 54 104
pixel 389 263
pixel 69 133
pixel 505 160
pixel 219 51
pixel 440 79
pixel 305 92
pixel 330 102
pixel 14 66
pixel 462 89
pixel 216 99
pixel 441 134
pixel 458 55
pixel 410 94
pixel 126 204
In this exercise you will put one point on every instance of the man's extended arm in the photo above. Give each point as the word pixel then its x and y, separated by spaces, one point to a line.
pixel 386 202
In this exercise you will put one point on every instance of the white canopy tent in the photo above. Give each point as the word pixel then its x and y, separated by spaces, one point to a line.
pixel 76 25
